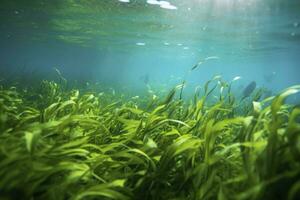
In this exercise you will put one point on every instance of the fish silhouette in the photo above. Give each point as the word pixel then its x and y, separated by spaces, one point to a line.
pixel 249 89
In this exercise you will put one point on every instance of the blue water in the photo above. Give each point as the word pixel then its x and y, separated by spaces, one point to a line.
pixel 120 43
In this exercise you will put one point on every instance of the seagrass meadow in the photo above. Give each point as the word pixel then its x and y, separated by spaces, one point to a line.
pixel 149 100
pixel 59 143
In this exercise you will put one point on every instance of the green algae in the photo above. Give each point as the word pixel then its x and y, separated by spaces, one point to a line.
pixel 59 143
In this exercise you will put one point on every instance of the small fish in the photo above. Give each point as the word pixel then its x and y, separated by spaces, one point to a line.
pixel 216 77
pixel 249 89
pixel 236 78
pixel 62 79
pixel 197 65
pixel 57 71
pixel 212 58
pixel 203 61
pixel 140 44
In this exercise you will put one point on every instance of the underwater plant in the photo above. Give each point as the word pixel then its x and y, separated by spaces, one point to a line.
pixel 60 143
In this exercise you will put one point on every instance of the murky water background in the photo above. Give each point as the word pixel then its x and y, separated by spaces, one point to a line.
pixel 119 43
